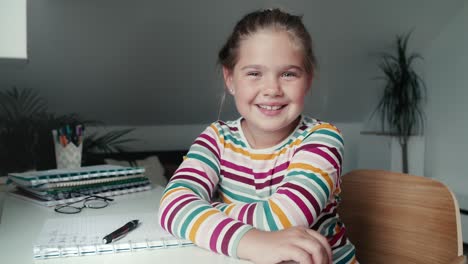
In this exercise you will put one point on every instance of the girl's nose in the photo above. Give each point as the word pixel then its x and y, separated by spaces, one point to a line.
pixel 273 88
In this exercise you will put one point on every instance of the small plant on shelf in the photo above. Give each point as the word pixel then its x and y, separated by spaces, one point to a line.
pixel 26 141
pixel 400 106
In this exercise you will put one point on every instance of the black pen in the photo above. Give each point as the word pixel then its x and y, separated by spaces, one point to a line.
pixel 120 232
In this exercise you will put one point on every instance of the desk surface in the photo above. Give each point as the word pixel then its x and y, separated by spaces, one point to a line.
pixel 22 221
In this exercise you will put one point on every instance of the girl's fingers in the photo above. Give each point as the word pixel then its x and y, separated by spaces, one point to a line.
pixel 314 248
pixel 323 241
pixel 299 255
pixel 298 244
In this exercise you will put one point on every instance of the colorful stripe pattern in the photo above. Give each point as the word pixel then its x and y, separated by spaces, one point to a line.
pixel 295 183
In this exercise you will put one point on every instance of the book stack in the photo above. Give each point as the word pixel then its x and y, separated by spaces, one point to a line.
pixel 60 186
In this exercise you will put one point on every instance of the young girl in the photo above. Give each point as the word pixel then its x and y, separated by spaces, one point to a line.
pixel 274 169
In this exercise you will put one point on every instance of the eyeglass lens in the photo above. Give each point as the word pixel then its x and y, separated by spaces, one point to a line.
pixel 91 202
pixel 68 209
pixel 95 203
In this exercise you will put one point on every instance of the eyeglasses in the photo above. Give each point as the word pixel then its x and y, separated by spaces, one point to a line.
pixel 93 202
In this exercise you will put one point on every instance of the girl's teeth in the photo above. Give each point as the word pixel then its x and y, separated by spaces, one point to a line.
pixel 267 107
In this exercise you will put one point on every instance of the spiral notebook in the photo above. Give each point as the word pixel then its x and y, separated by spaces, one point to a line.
pixel 65 184
pixel 82 236
pixel 37 178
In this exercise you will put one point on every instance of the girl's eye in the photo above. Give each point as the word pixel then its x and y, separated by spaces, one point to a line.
pixel 289 74
pixel 253 74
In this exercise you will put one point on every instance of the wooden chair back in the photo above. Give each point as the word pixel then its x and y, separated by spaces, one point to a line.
pixel 399 218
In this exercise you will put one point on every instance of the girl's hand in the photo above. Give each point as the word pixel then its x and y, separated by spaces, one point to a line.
pixel 298 244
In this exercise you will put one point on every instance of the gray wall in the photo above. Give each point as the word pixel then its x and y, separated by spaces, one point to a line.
pixel 152 62
pixel 446 146
pixel 446 74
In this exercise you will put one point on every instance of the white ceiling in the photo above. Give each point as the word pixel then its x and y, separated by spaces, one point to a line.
pixel 150 62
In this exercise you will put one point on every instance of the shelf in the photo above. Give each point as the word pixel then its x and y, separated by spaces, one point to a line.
pixel 380 133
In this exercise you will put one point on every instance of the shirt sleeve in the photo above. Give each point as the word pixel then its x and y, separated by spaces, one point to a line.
pixel 307 189
pixel 185 208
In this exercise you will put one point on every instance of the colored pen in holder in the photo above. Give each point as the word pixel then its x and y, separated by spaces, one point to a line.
pixel 68 144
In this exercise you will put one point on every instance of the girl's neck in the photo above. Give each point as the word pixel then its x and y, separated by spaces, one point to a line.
pixel 259 139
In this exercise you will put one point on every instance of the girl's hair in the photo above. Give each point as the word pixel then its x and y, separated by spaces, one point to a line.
pixel 274 19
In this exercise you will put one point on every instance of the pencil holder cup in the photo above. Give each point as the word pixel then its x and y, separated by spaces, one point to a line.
pixel 67 154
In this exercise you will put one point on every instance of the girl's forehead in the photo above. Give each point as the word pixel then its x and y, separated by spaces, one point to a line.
pixel 273 34
pixel 270 47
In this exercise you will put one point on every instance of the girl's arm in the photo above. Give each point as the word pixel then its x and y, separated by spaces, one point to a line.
pixel 185 209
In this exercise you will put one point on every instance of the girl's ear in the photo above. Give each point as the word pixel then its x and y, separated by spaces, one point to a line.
pixel 227 75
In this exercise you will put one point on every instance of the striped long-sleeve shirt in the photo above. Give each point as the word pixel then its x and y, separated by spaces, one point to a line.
pixel 295 183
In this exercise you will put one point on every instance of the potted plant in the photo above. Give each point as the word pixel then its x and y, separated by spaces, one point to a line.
pixel 25 133
pixel 400 106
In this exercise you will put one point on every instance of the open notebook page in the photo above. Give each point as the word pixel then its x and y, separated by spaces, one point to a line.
pixel 77 236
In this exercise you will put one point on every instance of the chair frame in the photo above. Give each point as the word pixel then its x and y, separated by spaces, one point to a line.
pixel 399 218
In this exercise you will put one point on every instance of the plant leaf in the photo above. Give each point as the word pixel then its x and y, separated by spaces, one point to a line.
pixel 403 92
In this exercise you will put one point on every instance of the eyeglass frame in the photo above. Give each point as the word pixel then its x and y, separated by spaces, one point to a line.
pixel 84 200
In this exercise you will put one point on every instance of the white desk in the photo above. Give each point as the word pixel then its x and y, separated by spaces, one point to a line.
pixel 22 221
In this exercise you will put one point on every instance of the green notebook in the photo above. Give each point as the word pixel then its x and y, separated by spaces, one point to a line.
pixel 86 189
pixel 36 178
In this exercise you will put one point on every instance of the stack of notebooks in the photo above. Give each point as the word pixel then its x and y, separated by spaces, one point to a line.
pixel 53 187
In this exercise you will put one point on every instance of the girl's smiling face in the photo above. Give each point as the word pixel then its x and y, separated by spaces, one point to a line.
pixel 269 83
